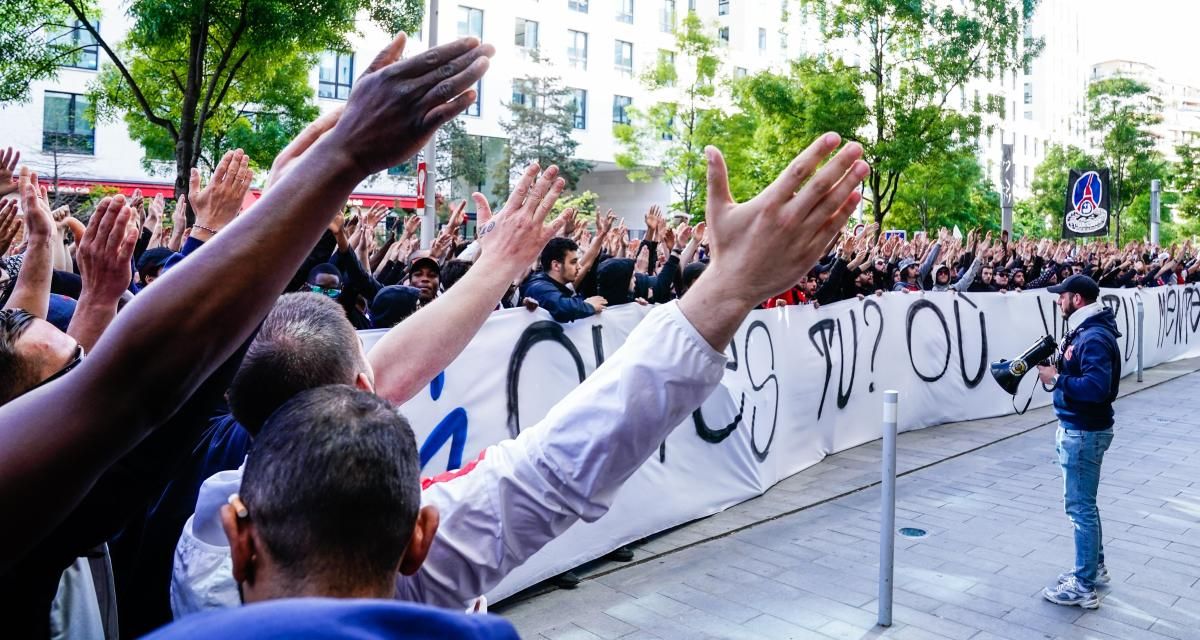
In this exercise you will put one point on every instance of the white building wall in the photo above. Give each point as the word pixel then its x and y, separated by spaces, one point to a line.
pixel 1058 81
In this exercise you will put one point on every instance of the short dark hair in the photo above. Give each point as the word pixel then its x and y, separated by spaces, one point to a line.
pixel 305 342
pixel 557 249
pixel 333 486
pixel 19 376
pixel 452 271
pixel 324 268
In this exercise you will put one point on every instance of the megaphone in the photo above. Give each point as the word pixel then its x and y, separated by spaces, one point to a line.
pixel 1008 373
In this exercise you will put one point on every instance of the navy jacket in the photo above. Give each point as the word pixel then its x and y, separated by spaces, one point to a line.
pixel 555 298
pixel 1090 375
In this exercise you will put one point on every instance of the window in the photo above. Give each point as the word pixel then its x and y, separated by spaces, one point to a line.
pixel 1026 172
pixel 762 40
pixel 722 7
pixel 579 103
pixel 470 22
pixel 668 132
pixel 527 34
pixel 621 109
pixel 625 12
pixel 519 96
pixel 577 45
pixel 666 65
pixel 1029 115
pixel 723 34
pixel 1028 93
pixel 578 5
pixel 740 72
pixel 65 127
pixel 623 58
pixel 337 75
pixel 666 18
pixel 407 170
pixel 77 39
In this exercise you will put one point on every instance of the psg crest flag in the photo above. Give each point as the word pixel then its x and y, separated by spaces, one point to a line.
pixel 1087 208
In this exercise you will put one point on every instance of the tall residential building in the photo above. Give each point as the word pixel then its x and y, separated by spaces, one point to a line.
pixel 598 47
pixel 1180 103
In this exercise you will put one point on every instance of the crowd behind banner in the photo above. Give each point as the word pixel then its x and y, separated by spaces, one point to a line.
pixel 189 420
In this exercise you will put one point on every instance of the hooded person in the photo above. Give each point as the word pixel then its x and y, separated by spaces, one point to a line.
pixel 150 265
pixel 392 304
pixel 616 282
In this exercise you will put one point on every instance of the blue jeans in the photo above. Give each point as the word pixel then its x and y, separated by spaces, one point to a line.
pixel 1080 453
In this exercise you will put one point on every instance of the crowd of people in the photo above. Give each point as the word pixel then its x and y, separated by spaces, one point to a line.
pixel 214 421
pixel 188 420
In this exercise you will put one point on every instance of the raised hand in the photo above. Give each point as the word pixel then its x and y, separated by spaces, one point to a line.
pixel 375 215
pixel 765 245
pixel 39 223
pixel 154 214
pixel 9 223
pixel 568 217
pixel 458 215
pixel 412 226
pixel 105 249
pixel 9 159
pixel 604 223
pixel 396 107
pixel 219 202
pixel 513 238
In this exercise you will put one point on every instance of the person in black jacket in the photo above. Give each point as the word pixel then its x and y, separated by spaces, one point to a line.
pixel 1085 379
pixel 560 265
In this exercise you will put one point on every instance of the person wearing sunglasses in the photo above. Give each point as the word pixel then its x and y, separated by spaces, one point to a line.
pixel 324 279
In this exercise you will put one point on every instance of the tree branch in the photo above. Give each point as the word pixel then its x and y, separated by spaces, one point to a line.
pixel 133 85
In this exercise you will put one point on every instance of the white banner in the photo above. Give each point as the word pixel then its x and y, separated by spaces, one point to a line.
pixel 801 383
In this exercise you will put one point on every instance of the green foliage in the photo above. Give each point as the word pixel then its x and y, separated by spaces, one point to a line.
pixel 921 57
pixel 583 203
pixel 194 78
pixel 540 130
pixel 1121 111
pixel 1185 180
pixel 33 45
pixel 946 191
pixel 667 138
pixel 460 155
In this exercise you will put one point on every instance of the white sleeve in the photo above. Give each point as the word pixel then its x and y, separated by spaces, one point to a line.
pixel 523 493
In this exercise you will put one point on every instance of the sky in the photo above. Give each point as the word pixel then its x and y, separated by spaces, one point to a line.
pixel 1163 33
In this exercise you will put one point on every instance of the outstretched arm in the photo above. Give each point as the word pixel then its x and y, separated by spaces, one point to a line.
pixel 32 291
pixel 570 465
pixel 54 442
pixel 413 352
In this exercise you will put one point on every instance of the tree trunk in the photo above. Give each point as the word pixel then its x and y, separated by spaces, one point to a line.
pixel 185 144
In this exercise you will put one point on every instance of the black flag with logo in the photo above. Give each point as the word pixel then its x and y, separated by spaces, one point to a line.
pixel 1087 208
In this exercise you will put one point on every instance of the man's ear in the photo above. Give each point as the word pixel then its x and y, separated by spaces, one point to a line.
pixel 241 544
pixel 362 382
pixel 422 539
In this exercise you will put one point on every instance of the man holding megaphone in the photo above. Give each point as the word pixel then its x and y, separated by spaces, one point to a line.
pixel 1084 374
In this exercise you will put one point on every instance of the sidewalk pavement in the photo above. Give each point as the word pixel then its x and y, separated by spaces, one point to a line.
pixel 801 561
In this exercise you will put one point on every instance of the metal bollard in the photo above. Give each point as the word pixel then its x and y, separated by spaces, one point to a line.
pixel 1141 316
pixel 887 526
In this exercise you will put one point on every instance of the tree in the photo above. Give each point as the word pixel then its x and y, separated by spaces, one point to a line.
pixel 1048 192
pixel 201 73
pixel 34 43
pixel 540 128
pixel 920 56
pixel 1121 111
pixel 460 157
pixel 946 191
pixel 669 135
pixel 1185 181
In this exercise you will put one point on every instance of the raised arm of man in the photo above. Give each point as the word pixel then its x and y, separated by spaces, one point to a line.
pixel 413 352
pixel 57 439
pixel 523 493
pixel 32 291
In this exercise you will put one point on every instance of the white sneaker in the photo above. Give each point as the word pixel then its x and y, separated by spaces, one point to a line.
pixel 1102 576
pixel 1069 593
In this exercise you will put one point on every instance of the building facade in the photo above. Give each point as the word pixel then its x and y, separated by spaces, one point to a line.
pixel 1180 103
pixel 599 48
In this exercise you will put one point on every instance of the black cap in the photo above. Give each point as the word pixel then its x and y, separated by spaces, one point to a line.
pixel 1080 284
pixel 393 304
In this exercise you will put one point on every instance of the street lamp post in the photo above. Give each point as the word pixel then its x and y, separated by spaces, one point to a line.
pixel 429 217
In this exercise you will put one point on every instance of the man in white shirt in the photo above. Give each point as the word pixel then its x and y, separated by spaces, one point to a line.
pixel 522 493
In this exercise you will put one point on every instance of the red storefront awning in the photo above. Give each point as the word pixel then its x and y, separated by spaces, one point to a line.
pixel 151 189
